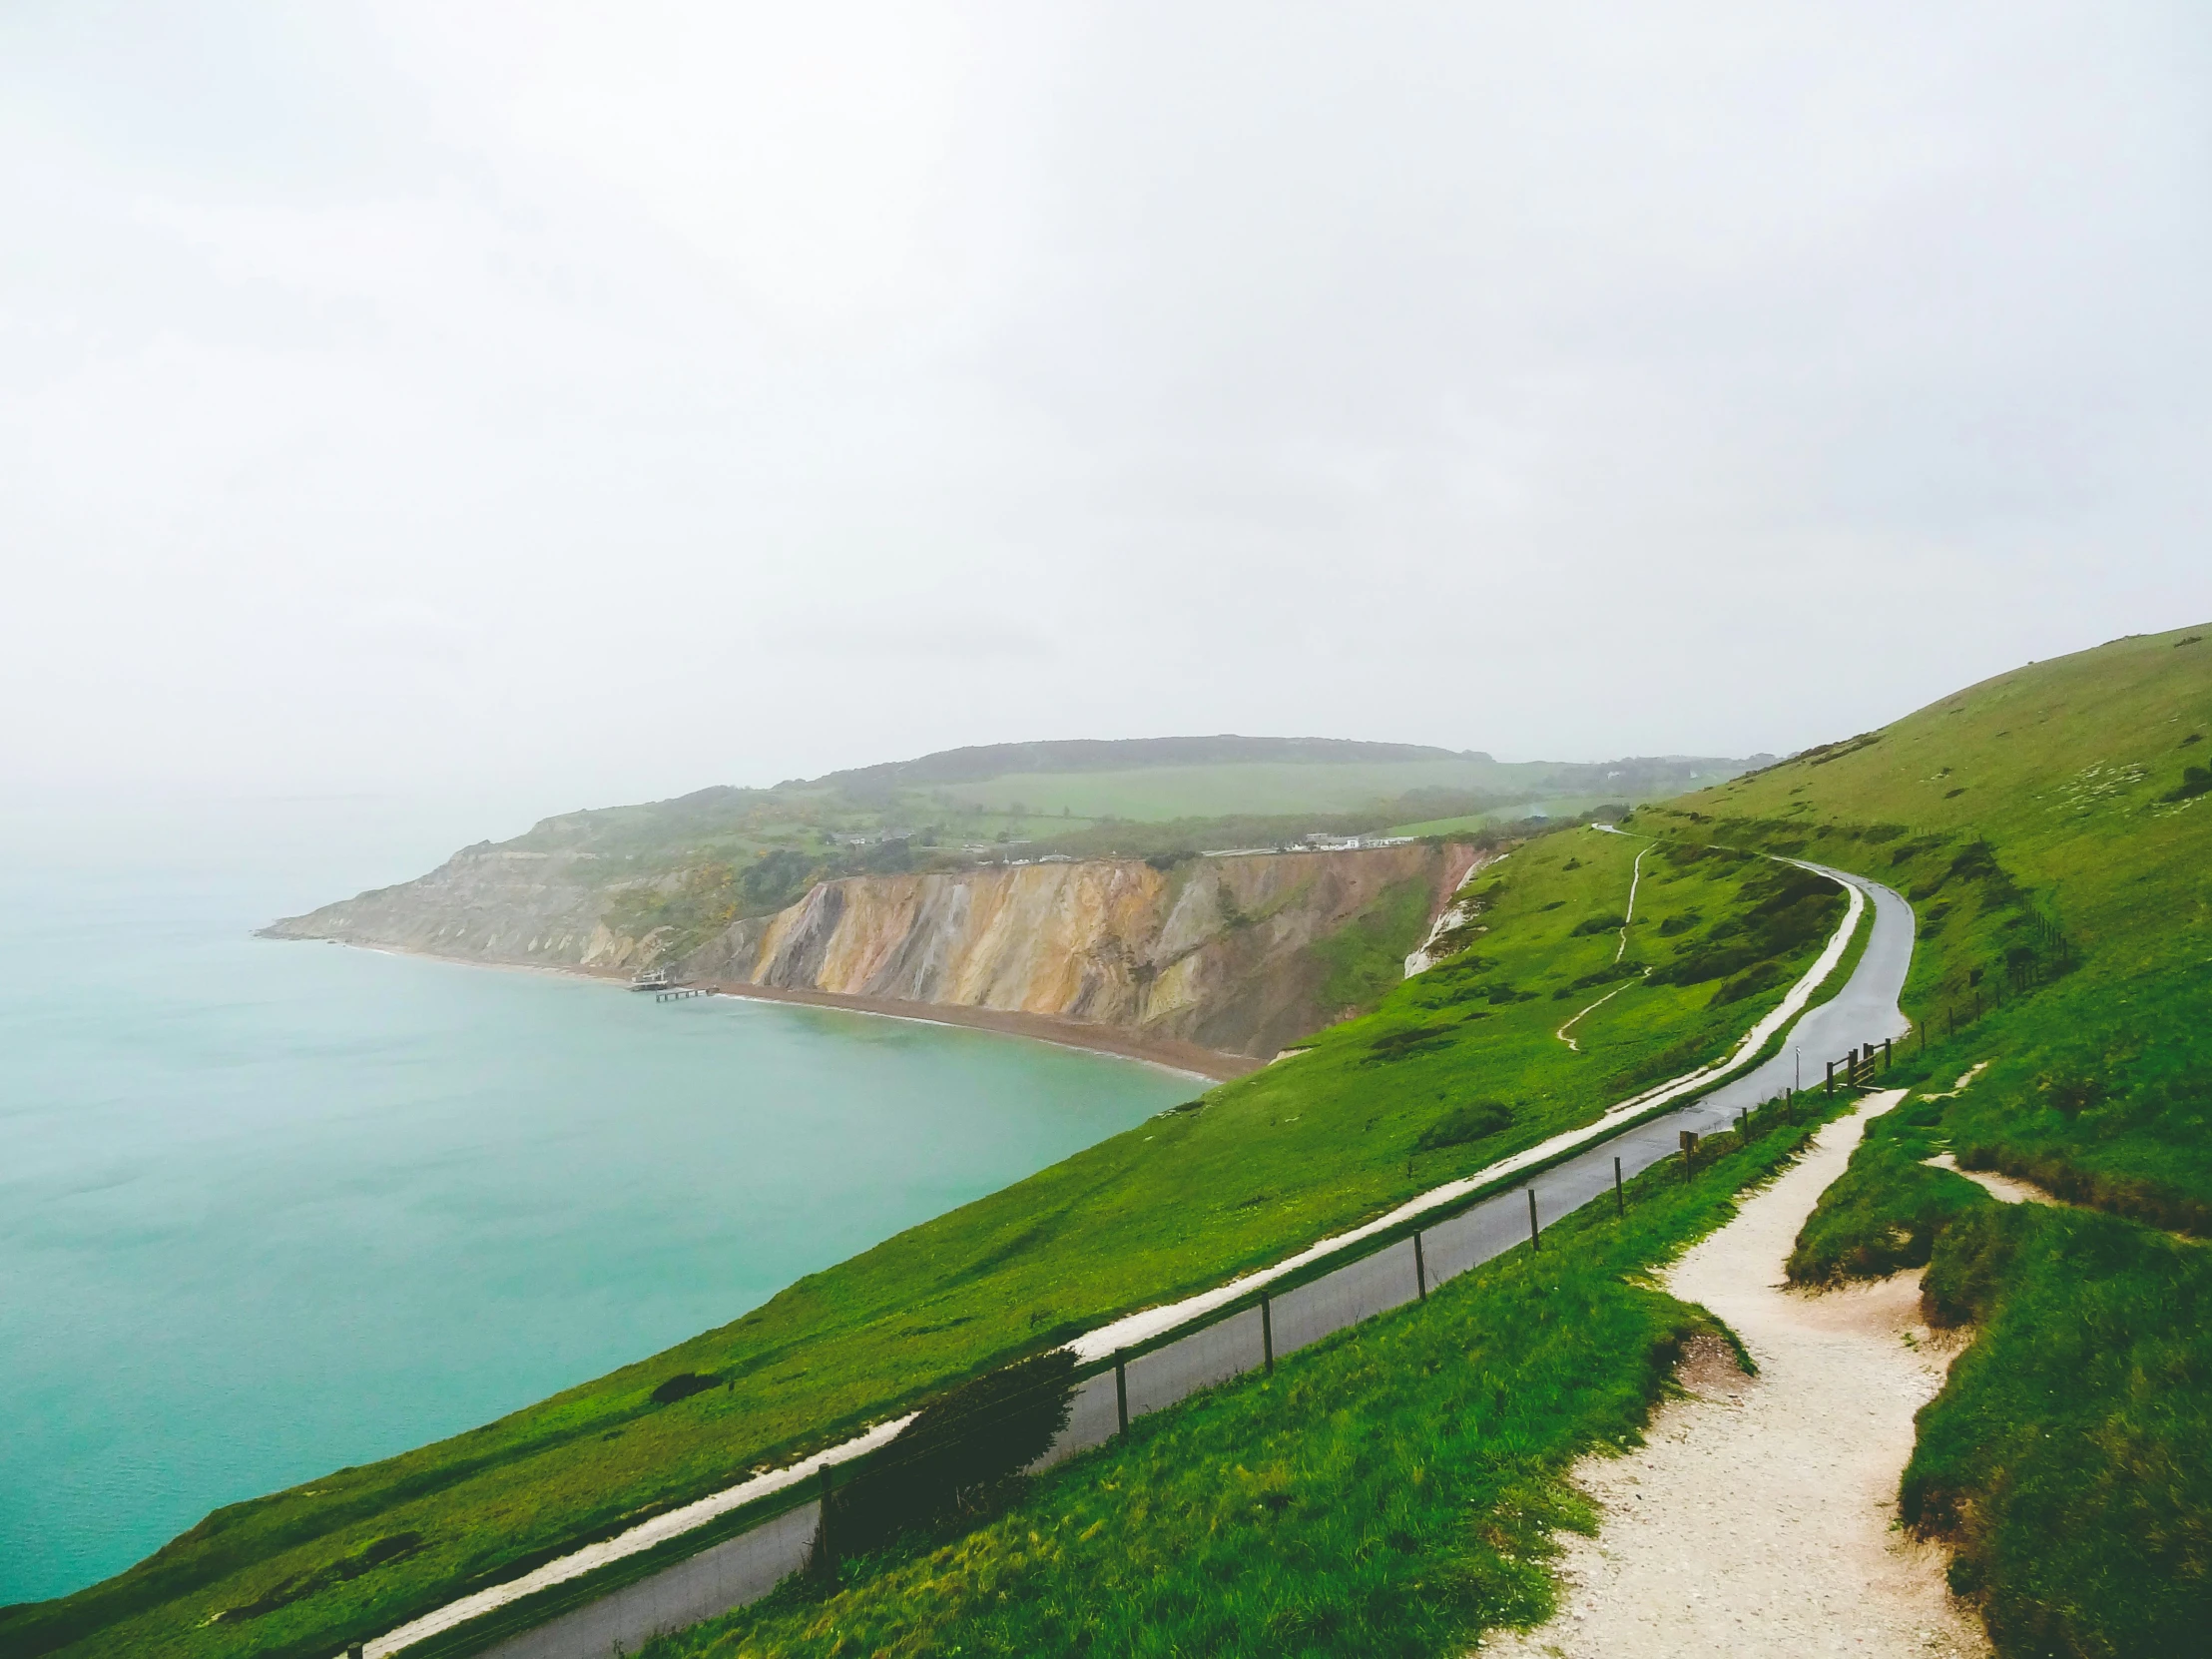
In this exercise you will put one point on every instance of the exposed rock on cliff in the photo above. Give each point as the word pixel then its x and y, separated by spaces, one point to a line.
pixel 1217 951
pixel 1241 954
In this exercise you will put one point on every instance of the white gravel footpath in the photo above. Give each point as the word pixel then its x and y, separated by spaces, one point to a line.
pixel 1760 1517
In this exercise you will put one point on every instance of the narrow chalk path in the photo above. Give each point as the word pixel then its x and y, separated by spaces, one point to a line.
pixel 1758 1518
pixel 1635 876
pixel 2003 1188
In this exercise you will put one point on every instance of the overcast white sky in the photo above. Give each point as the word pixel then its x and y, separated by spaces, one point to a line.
pixel 562 405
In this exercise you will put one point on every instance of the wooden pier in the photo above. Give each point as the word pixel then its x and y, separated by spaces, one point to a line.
pixel 677 993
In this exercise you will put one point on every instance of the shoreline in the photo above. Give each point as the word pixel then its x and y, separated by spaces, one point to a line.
pixel 1186 1059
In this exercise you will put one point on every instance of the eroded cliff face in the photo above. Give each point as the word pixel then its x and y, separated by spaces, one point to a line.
pixel 1226 952
pixel 1242 955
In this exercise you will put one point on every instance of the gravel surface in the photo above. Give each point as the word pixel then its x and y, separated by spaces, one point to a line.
pixel 1759 1517
pixel 2003 1188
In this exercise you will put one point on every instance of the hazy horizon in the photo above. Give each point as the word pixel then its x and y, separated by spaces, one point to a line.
pixel 507 410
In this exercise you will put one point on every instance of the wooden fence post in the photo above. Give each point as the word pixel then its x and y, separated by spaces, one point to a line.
pixel 1420 1271
pixel 1121 1392
pixel 1689 1153
pixel 1536 1242
pixel 1620 1198
pixel 1267 1333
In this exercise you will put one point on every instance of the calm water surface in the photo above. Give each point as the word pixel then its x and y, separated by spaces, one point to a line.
pixel 268 1209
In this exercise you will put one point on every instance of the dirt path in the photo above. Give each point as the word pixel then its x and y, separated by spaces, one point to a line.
pixel 2003 1188
pixel 1758 1519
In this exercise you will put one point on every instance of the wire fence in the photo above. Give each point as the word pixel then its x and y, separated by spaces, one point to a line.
pixel 1247 1337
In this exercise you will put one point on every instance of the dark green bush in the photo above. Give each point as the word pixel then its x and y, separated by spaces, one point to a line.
pixel 683 1385
pixel 1477 1121
pixel 959 1457
pixel 1884 1212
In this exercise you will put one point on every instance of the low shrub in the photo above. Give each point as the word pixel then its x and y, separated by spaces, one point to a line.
pixel 1886 1210
pixel 960 1459
pixel 683 1385
pixel 1477 1121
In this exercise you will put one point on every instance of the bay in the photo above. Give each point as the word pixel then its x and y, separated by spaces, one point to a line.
pixel 269 1209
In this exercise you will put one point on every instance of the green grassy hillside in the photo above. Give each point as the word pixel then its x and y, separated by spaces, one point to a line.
pixel 1141 796
pixel 2051 826
pixel 1287 788
pixel 1451 1071
pixel 1392 1490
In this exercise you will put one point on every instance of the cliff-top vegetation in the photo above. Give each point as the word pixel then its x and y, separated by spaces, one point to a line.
pixel 696 862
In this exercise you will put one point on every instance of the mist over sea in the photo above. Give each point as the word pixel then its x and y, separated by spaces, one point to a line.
pixel 269 1209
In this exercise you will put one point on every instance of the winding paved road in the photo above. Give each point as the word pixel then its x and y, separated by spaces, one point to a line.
pixel 1864 1010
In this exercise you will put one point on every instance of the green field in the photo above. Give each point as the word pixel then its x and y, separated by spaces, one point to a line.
pixel 2053 835
pixel 1550 807
pixel 1265 789
pixel 1257 789
pixel 1374 1112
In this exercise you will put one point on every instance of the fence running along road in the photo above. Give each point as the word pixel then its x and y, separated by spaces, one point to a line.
pixel 1862 1015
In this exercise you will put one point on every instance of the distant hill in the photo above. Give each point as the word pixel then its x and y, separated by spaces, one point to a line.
pixel 1036 790
pixel 984 762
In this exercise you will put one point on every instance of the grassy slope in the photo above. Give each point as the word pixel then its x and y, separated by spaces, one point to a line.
pixel 2065 1458
pixel 1302 1149
pixel 1256 789
pixel 1388 1492
pixel 2063 770
pixel 1556 806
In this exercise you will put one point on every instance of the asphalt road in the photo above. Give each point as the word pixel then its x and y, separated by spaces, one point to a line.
pixel 1864 1010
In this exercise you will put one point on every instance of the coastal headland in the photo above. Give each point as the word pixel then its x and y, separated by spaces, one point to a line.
pixel 1208 964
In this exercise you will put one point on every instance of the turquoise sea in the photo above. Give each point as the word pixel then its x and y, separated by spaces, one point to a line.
pixel 269 1209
